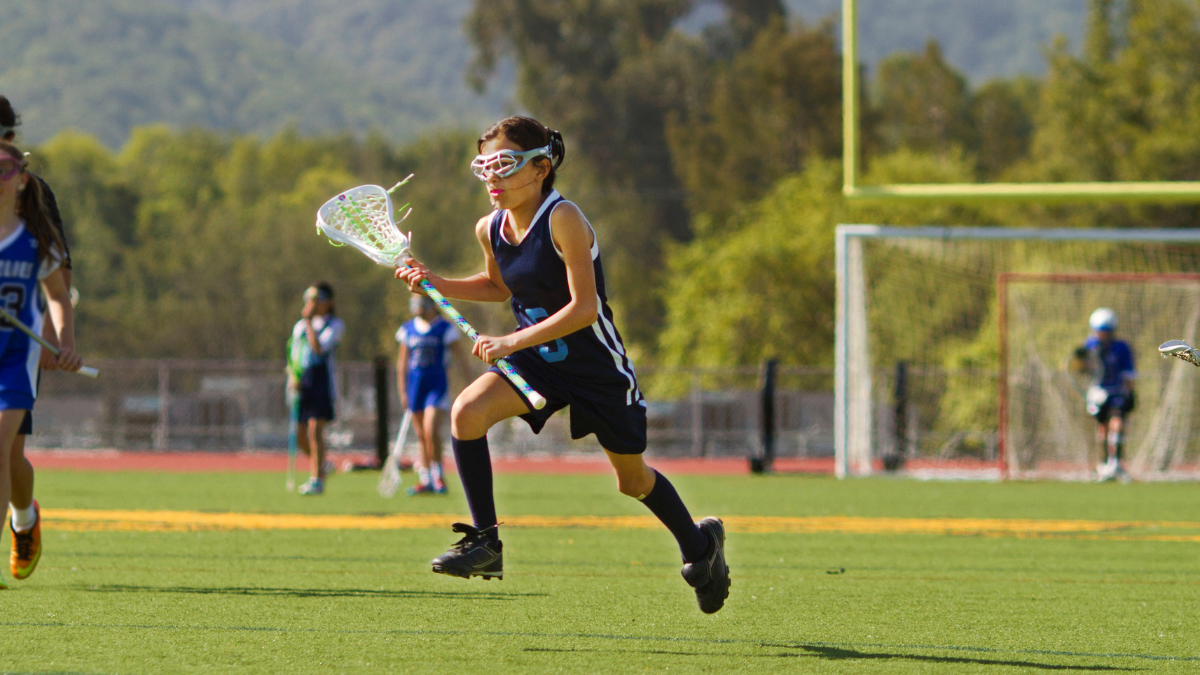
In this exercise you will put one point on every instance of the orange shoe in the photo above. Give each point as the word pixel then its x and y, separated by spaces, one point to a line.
pixel 26 547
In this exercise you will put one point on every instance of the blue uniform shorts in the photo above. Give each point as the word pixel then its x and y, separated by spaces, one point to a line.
pixel 428 389
pixel 316 395
pixel 620 428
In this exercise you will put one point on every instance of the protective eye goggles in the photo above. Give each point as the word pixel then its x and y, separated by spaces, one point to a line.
pixel 506 162
pixel 10 167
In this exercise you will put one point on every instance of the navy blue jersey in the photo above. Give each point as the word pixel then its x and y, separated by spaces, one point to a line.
pixel 1111 364
pixel 591 362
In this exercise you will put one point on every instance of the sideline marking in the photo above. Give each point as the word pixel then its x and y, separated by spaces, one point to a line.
pixel 593 636
pixel 92 520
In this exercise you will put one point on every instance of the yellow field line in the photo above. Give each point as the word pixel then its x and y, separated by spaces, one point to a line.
pixel 168 521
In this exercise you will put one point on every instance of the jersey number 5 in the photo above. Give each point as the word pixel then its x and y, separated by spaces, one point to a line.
pixel 559 352
pixel 12 296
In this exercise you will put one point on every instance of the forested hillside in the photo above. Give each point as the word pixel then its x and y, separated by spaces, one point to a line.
pixel 106 66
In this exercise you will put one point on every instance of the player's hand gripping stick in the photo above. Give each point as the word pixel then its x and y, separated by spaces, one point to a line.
pixel 86 371
pixel 362 217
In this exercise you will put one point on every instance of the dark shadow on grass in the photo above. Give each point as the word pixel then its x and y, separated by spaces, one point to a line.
pixel 841 654
pixel 310 592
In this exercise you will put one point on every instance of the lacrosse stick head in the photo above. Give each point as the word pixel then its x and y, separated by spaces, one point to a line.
pixel 1180 350
pixel 363 217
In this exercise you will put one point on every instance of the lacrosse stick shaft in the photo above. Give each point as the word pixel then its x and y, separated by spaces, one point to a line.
pixel 86 371
pixel 293 431
pixel 389 482
pixel 535 399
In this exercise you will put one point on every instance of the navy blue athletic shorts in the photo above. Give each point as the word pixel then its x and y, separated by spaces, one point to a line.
pixel 620 428
pixel 316 395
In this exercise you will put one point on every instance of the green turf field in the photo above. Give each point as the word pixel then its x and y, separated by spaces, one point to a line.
pixel 605 600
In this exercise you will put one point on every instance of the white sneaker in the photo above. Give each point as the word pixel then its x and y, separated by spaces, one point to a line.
pixel 1120 474
pixel 314 486
pixel 1106 471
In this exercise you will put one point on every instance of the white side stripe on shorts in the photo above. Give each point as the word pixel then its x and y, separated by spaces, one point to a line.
pixel 607 334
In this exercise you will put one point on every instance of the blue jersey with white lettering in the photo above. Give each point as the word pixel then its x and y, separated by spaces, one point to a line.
pixel 427 352
pixel 1111 364
pixel 20 273
pixel 592 361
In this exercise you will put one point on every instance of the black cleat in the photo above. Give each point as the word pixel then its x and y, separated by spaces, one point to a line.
pixel 710 575
pixel 473 556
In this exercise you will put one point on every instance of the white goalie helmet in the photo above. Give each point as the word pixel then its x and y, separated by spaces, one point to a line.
pixel 1103 319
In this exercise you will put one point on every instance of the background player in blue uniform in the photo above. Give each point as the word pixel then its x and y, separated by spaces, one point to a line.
pixel 31 254
pixel 541 252
pixel 427 342
pixel 1110 397
pixel 320 331
pixel 21 500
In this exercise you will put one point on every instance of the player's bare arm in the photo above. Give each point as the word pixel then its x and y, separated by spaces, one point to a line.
pixel 58 297
pixel 483 287
pixel 573 237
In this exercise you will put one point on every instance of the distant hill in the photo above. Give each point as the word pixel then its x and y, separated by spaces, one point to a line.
pixel 984 39
pixel 104 66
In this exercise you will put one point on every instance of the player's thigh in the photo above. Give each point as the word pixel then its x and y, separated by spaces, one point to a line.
pixel 433 420
pixel 482 404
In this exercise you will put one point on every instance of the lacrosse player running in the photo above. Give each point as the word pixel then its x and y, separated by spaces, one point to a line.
pixel 426 343
pixel 31 254
pixel 541 252
pixel 1110 397
pixel 319 331
pixel 26 548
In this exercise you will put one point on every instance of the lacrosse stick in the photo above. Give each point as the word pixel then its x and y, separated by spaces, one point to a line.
pixel 1180 350
pixel 389 482
pixel 362 217
pixel 294 370
pixel 86 371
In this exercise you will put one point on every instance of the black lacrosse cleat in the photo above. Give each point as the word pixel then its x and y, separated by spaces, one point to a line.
pixel 472 556
pixel 710 575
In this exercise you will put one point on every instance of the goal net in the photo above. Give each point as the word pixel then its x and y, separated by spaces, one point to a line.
pixel 954 347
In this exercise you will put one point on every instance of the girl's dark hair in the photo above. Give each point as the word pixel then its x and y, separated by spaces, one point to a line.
pixel 325 292
pixel 528 133
pixel 33 209
pixel 8 117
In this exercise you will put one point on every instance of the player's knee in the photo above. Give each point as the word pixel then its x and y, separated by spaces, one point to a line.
pixel 635 484
pixel 466 419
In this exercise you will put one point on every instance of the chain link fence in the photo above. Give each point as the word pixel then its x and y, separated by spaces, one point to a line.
pixel 174 404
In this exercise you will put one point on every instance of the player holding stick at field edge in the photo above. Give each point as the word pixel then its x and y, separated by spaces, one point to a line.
pixel 31 253
pixel 22 504
pixel 541 252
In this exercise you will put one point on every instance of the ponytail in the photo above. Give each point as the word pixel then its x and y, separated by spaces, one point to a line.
pixel 528 134
pixel 34 209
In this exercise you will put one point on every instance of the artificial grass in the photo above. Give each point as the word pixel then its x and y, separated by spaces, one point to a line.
pixel 580 600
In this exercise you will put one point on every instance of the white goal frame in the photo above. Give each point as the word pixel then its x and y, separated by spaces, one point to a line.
pixel 852 401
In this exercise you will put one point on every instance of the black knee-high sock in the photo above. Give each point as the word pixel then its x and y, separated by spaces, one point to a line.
pixel 475 472
pixel 664 502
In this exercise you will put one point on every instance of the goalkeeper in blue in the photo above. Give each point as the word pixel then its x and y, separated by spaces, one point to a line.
pixel 541 254
pixel 1110 398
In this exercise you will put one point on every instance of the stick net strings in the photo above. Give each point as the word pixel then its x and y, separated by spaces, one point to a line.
pixel 932 304
pixel 363 218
